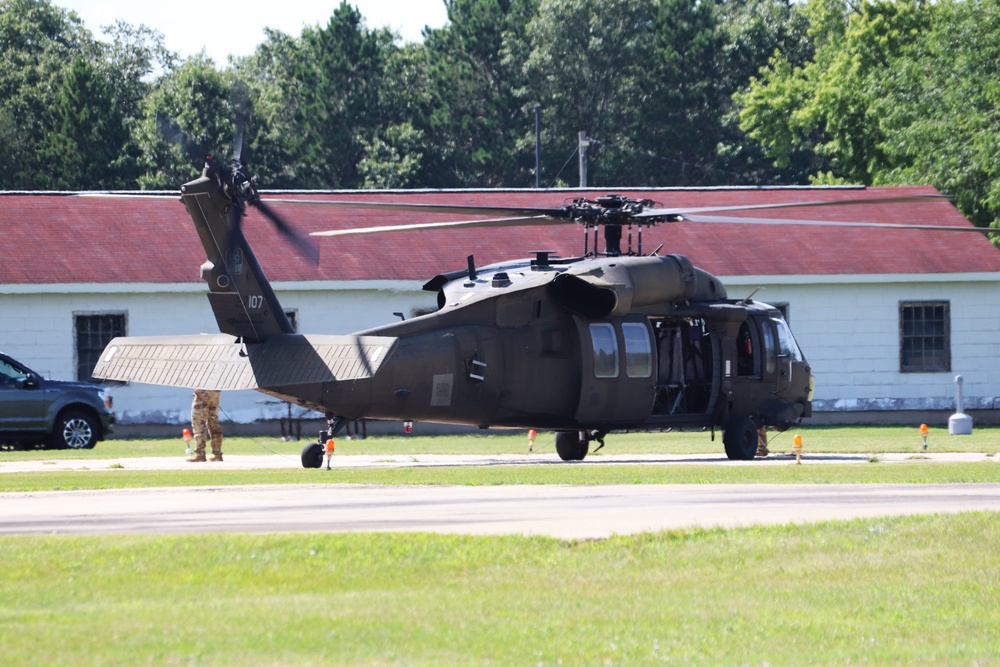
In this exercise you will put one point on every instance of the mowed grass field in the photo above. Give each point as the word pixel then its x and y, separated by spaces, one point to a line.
pixel 920 590
pixel 917 590
pixel 828 439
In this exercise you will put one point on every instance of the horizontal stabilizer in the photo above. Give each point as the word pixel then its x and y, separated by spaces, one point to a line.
pixel 222 362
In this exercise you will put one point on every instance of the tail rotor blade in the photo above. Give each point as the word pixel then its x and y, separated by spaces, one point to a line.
pixel 303 244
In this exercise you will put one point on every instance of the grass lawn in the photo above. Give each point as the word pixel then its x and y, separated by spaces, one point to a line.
pixel 902 590
pixel 910 472
pixel 831 439
pixel 916 590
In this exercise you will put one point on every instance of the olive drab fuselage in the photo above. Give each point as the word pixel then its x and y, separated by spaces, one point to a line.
pixel 591 344
pixel 581 345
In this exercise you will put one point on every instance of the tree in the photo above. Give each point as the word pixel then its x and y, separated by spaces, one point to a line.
pixel 681 118
pixel 339 71
pixel 588 69
pixel 188 114
pixel 85 145
pixel 827 102
pixel 37 43
pixel 475 122
pixel 752 32
pixel 939 109
pixel 898 92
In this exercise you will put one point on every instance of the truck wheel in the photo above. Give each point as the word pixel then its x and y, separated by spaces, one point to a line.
pixel 75 430
pixel 740 439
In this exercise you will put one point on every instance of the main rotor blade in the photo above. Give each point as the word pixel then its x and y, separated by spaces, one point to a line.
pixel 241 103
pixel 463 224
pixel 305 245
pixel 175 135
pixel 112 194
pixel 832 223
pixel 682 210
pixel 458 209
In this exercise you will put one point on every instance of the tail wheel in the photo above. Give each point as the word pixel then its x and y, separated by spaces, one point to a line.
pixel 75 430
pixel 312 455
pixel 571 445
pixel 740 439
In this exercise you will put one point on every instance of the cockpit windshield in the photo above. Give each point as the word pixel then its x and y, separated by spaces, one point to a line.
pixel 787 347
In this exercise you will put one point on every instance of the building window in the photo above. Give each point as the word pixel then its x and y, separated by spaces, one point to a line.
pixel 924 336
pixel 293 319
pixel 93 333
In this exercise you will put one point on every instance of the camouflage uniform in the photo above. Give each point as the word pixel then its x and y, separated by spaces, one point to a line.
pixel 762 449
pixel 205 424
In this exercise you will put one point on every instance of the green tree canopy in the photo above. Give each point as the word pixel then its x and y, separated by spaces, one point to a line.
pixel 898 91
pixel 37 42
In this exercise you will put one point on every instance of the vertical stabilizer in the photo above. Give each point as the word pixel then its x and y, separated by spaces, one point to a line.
pixel 244 304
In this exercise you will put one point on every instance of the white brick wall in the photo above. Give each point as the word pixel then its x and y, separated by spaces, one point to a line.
pixel 848 328
pixel 846 325
pixel 37 329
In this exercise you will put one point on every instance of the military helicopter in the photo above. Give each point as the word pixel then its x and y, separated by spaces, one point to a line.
pixel 614 338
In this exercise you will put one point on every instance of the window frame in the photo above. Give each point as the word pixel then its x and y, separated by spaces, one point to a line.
pixel 598 372
pixel 907 339
pixel 87 353
pixel 632 355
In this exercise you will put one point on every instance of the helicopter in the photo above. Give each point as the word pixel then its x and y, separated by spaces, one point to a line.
pixel 612 339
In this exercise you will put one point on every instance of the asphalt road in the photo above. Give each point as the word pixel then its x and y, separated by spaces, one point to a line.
pixel 558 511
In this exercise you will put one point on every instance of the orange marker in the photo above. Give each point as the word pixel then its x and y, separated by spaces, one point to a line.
pixel 330 445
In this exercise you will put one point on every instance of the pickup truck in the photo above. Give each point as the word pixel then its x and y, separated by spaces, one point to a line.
pixel 36 411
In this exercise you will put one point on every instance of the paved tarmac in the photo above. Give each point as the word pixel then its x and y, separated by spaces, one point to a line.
pixel 556 510
pixel 278 461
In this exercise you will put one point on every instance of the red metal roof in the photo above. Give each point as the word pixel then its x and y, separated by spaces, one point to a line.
pixel 55 238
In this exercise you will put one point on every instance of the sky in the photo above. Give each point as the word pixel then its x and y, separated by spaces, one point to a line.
pixel 225 28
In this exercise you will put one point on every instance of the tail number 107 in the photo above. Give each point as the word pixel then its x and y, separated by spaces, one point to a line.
pixel 255 301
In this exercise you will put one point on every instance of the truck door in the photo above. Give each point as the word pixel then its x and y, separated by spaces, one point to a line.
pixel 21 404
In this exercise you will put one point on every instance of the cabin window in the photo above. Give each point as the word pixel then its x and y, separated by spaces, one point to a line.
pixel 605 350
pixel 93 332
pixel 638 351
pixel 924 336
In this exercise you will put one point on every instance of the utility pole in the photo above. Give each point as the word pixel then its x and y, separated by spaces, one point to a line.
pixel 538 144
pixel 582 145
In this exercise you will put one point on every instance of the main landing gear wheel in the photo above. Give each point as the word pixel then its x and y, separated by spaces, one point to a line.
pixel 572 445
pixel 312 455
pixel 740 439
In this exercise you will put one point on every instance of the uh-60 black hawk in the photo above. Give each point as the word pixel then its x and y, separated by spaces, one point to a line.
pixel 611 339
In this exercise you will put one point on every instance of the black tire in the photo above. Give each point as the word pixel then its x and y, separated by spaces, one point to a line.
pixel 312 455
pixel 75 429
pixel 740 439
pixel 570 446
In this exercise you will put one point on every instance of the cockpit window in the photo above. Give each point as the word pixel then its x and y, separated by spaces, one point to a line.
pixel 787 347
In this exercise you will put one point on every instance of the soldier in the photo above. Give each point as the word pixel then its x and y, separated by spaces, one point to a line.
pixel 205 424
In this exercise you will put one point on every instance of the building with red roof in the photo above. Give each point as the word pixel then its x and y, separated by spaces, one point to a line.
pixel 77 270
